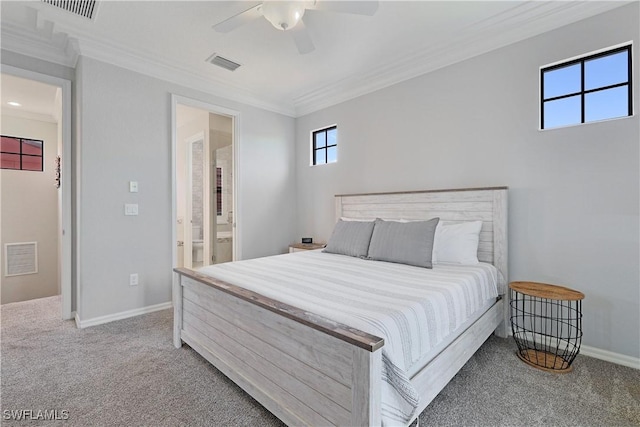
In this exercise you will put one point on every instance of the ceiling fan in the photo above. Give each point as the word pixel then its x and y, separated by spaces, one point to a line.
pixel 287 16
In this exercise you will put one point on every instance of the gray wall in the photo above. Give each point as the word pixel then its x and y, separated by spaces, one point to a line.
pixel 29 203
pixel 124 124
pixel 574 192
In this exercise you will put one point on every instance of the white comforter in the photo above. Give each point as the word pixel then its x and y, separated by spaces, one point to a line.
pixel 412 308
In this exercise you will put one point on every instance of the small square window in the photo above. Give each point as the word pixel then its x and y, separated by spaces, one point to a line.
pixel 324 144
pixel 21 153
pixel 587 89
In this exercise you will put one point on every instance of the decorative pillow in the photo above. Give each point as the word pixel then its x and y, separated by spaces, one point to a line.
pixel 403 242
pixel 457 242
pixel 350 238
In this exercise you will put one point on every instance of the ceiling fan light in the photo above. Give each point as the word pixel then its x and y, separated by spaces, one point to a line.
pixel 284 15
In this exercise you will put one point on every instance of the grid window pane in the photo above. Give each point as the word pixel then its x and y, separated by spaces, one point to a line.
pixel 32 147
pixel 31 163
pixel 331 136
pixel 321 156
pixel 562 81
pixel 320 140
pixel 10 145
pixel 21 153
pixel 606 104
pixel 590 88
pixel 562 112
pixel 332 154
pixel 606 71
pixel 324 146
pixel 9 161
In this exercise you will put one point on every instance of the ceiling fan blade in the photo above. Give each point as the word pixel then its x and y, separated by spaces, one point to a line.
pixel 302 38
pixel 368 8
pixel 239 19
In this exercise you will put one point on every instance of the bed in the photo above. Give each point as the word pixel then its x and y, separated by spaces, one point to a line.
pixel 311 369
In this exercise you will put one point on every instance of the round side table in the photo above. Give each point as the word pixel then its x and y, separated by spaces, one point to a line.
pixel 546 322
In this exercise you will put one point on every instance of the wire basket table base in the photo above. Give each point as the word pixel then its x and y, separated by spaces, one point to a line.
pixel 546 322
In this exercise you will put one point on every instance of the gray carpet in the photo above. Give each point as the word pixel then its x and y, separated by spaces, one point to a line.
pixel 127 373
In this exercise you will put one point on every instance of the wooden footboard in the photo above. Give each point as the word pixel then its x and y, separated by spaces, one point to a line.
pixel 305 369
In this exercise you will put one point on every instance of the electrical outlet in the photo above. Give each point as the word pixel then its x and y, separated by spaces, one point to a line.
pixel 133 279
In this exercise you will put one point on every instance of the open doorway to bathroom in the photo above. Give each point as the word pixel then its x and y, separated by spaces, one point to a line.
pixel 204 185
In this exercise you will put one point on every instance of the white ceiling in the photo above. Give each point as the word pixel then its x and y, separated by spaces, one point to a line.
pixel 354 54
pixel 37 99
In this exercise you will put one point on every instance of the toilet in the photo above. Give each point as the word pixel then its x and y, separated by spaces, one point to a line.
pixel 198 246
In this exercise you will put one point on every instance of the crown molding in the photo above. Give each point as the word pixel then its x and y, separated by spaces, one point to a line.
pixel 56 49
pixel 28 115
pixel 141 63
pixel 516 24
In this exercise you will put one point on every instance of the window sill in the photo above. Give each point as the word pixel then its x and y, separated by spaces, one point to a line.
pixel 587 123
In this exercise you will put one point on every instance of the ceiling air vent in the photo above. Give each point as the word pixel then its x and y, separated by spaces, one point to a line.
pixel 84 8
pixel 225 63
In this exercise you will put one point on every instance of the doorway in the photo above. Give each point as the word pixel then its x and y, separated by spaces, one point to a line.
pixel 204 153
pixel 46 238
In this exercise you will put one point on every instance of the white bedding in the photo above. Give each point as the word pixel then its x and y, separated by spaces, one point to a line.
pixel 414 309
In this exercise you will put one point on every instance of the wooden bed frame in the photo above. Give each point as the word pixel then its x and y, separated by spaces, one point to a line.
pixel 309 370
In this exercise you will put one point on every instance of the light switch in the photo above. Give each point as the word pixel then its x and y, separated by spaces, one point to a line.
pixel 133 186
pixel 131 209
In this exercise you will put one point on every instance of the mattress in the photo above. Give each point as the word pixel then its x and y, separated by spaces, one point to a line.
pixel 415 310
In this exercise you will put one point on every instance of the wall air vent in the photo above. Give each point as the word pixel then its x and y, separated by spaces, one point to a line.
pixel 84 8
pixel 20 258
pixel 225 63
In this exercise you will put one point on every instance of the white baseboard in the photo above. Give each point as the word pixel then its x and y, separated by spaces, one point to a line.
pixel 122 315
pixel 609 356
pixel 606 355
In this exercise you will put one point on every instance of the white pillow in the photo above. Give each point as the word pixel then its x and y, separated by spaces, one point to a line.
pixel 456 243
pixel 344 218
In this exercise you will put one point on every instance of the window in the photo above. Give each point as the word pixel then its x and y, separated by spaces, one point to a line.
pixel 21 153
pixel 587 89
pixel 324 145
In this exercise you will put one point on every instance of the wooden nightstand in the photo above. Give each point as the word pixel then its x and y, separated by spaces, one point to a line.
pixel 546 321
pixel 299 247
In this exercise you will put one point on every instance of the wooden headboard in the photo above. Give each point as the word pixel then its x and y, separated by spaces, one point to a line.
pixel 488 205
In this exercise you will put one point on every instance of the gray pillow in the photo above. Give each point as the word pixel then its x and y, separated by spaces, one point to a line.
pixel 403 242
pixel 350 238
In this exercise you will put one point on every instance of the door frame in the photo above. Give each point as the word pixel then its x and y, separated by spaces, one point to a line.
pixel 235 140
pixel 65 229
